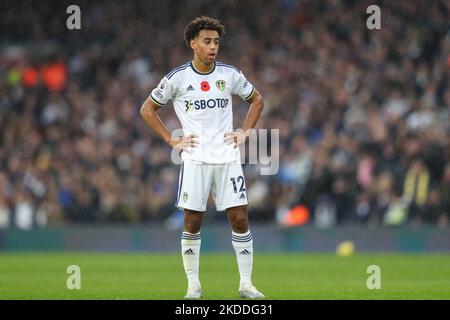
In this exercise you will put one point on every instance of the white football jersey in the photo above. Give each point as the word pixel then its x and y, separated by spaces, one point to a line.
pixel 203 103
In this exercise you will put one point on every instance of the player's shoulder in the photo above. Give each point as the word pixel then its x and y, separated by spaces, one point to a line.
pixel 227 67
pixel 177 71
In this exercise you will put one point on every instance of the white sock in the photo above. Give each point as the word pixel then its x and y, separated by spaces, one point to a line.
pixel 190 251
pixel 243 246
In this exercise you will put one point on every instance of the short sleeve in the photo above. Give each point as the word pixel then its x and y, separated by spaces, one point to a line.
pixel 242 87
pixel 163 92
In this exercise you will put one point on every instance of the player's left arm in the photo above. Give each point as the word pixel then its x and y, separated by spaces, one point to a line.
pixel 256 107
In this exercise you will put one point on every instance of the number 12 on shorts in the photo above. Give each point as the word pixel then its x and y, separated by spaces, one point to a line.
pixel 240 180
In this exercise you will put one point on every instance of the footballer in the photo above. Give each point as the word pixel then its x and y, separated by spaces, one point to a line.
pixel 201 92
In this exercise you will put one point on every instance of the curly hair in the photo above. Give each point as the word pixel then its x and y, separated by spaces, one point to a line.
pixel 202 23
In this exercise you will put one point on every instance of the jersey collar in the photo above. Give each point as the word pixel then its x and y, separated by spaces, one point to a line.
pixel 203 73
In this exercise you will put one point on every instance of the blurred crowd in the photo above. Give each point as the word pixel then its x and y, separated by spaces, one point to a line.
pixel 363 115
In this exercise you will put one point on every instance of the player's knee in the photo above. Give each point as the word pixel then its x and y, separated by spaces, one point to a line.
pixel 192 222
pixel 192 226
pixel 240 223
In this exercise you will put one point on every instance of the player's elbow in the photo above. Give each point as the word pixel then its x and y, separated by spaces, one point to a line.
pixel 143 110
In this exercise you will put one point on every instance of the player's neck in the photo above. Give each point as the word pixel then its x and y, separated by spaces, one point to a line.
pixel 202 67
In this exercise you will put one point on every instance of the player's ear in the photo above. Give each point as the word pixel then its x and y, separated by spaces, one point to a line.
pixel 193 44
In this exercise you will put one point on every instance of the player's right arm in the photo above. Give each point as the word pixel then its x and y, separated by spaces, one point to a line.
pixel 149 113
pixel 158 98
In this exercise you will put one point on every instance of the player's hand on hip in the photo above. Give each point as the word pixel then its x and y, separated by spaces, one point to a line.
pixel 235 138
pixel 186 143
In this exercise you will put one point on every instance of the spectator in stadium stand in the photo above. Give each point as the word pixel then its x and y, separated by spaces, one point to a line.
pixel 416 190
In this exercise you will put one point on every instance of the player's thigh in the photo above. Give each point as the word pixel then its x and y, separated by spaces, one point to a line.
pixel 230 188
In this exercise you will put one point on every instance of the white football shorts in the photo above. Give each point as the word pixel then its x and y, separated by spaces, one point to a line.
pixel 225 181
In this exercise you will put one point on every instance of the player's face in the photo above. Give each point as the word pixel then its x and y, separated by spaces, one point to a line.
pixel 206 45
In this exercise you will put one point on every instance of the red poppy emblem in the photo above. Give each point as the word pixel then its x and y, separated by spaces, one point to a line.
pixel 205 86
